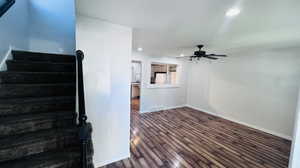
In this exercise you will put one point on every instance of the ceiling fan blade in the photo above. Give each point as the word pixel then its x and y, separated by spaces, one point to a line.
pixel 184 56
pixel 209 57
pixel 216 55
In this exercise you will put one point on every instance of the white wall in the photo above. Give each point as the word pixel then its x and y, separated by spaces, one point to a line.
pixel 14 28
pixel 45 26
pixel 107 72
pixel 255 87
pixel 154 99
pixel 52 26
pixel 295 153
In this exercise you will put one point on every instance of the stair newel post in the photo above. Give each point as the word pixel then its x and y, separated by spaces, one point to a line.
pixel 83 128
pixel 81 100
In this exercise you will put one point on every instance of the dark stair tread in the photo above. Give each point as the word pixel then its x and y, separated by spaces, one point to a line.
pixel 18 146
pixel 25 123
pixel 33 73
pixel 36 77
pixel 36 100
pixel 37 90
pixel 69 158
pixel 35 116
pixel 16 140
pixel 30 66
pixel 38 84
pixel 45 57
pixel 40 62
pixel 18 106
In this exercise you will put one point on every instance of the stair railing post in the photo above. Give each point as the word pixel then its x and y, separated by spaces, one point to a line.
pixel 83 128
pixel 81 99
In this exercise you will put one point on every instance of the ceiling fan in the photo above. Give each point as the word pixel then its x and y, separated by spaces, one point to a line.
pixel 202 54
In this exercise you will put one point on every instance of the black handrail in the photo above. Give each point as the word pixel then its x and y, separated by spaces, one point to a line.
pixel 4 8
pixel 84 128
pixel 81 100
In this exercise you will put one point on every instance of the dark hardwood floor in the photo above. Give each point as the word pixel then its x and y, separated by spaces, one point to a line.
pixel 188 138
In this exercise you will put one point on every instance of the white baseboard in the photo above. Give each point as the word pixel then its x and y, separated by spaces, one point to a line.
pixel 6 57
pixel 243 123
pixel 106 162
pixel 161 109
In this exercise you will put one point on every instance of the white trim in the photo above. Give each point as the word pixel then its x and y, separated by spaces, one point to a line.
pixel 242 123
pixel 295 145
pixel 162 108
pixel 6 57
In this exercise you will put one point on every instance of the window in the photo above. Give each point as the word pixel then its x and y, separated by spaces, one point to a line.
pixel 5 5
pixel 163 74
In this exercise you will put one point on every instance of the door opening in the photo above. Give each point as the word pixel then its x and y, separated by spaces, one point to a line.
pixel 136 77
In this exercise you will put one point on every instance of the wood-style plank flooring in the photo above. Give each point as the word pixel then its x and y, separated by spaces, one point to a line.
pixel 188 138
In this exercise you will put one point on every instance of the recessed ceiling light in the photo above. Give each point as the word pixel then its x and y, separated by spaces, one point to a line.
pixel 233 12
pixel 181 55
pixel 140 49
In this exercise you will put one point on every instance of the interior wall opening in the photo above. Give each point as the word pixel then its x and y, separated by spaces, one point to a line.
pixel 136 77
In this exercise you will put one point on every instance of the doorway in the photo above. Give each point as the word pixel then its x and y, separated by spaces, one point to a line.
pixel 136 77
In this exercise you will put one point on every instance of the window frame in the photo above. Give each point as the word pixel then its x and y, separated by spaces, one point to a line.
pixel 6 6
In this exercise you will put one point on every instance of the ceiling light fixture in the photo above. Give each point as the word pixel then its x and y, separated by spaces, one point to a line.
pixel 233 12
pixel 140 49
pixel 181 55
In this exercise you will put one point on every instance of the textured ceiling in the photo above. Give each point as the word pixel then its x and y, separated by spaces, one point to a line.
pixel 172 27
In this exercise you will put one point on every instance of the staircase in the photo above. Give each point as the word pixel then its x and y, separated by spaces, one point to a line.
pixel 37 112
